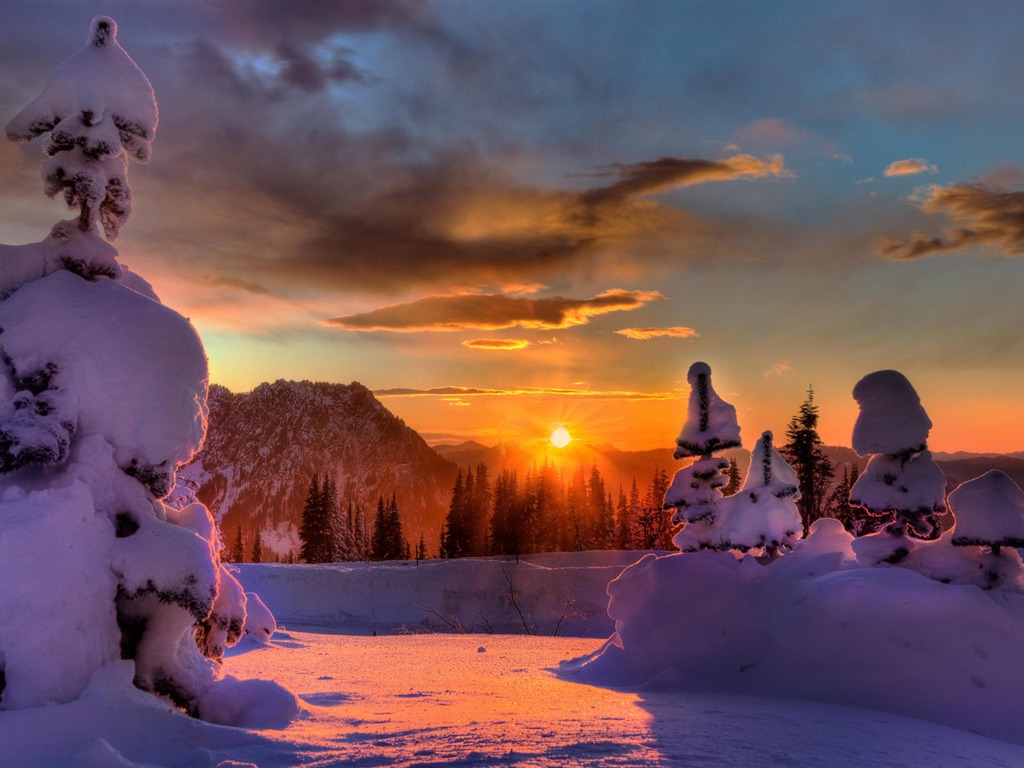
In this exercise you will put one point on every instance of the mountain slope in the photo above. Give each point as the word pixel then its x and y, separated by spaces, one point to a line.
pixel 263 447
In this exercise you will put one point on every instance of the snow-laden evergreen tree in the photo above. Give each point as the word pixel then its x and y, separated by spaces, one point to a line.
pixel 102 396
pixel 901 483
pixel 989 513
pixel 763 514
pixel 696 490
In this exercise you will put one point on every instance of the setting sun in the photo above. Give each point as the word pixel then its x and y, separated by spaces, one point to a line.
pixel 561 437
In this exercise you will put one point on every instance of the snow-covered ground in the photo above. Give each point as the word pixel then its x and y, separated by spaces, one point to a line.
pixel 410 696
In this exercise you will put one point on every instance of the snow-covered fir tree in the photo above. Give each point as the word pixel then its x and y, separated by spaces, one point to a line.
pixel 989 513
pixel 696 490
pixel 763 514
pixel 102 396
pixel 901 484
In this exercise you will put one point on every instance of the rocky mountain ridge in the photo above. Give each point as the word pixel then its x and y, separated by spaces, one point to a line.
pixel 263 447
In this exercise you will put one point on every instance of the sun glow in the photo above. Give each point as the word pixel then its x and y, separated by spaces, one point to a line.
pixel 560 437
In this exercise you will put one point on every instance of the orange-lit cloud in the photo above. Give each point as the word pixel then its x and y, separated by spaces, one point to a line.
pixel 496 344
pixel 980 216
pixel 489 311
pixel 675 332
pixel 912 166
pixel 668 173
pixel 462 392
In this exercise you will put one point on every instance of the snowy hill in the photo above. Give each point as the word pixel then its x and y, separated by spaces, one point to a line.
pixel 263 447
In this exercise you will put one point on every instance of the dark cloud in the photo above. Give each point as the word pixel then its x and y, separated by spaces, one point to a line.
pixel 255 21
pixel 980 216
pixel 483 311
pixel 462 222
pixel 666 173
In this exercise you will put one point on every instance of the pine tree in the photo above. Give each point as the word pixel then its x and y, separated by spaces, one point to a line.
pixel 316 530
pixel 453 536
pixel 839 507
pixel 257 547
pixel 813 468
pixel 379 543
pixel 397 546
pixel 421 549
pixel 238 556
pixel 734 479
pixel 696 490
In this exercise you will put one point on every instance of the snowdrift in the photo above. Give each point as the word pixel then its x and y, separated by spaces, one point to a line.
pixel 817 624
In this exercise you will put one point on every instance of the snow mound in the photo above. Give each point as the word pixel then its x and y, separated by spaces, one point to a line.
pixel 817 624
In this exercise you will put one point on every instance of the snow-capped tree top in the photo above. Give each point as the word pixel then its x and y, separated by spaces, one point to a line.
pixel 710 421
pixel 892 420
pixel 99 82
pixel 989 511
pixel 769 472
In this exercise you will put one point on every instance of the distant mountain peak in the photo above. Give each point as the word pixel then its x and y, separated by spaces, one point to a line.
pixel 263 447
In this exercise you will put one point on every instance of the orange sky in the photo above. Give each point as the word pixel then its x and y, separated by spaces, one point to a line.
pixel 406 195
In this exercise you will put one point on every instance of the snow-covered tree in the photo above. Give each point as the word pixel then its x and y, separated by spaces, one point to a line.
pixel 989 513
pixel 763 514
pixel 696 490
pixel 901 484
pixel 98 111
pixel 102 396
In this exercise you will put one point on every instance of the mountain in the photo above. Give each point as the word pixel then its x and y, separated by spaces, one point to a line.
pixel 263 447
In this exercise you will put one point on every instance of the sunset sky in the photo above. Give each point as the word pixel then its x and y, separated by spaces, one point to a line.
pixel 506 216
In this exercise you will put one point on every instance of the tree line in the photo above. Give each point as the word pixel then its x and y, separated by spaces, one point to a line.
pixel 546 510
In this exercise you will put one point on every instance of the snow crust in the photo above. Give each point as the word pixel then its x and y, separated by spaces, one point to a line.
pixel 838 634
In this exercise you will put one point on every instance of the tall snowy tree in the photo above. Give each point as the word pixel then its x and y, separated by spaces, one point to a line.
pixel 696 490
pixel 901 484
pixel 814 469
pixel 763 514
pixel 103 395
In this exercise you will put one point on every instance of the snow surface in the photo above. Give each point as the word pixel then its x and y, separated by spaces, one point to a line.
pixel 481 700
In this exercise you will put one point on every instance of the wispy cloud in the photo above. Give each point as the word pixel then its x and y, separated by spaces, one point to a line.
pixel 446 393
pixel 778 370
pixel 675 332
pixel 489 311
pixel 775 133
pixel 912 166
pixel 980 216
pixel 507 345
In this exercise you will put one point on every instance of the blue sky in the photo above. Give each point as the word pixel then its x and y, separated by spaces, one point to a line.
pixel 490 173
